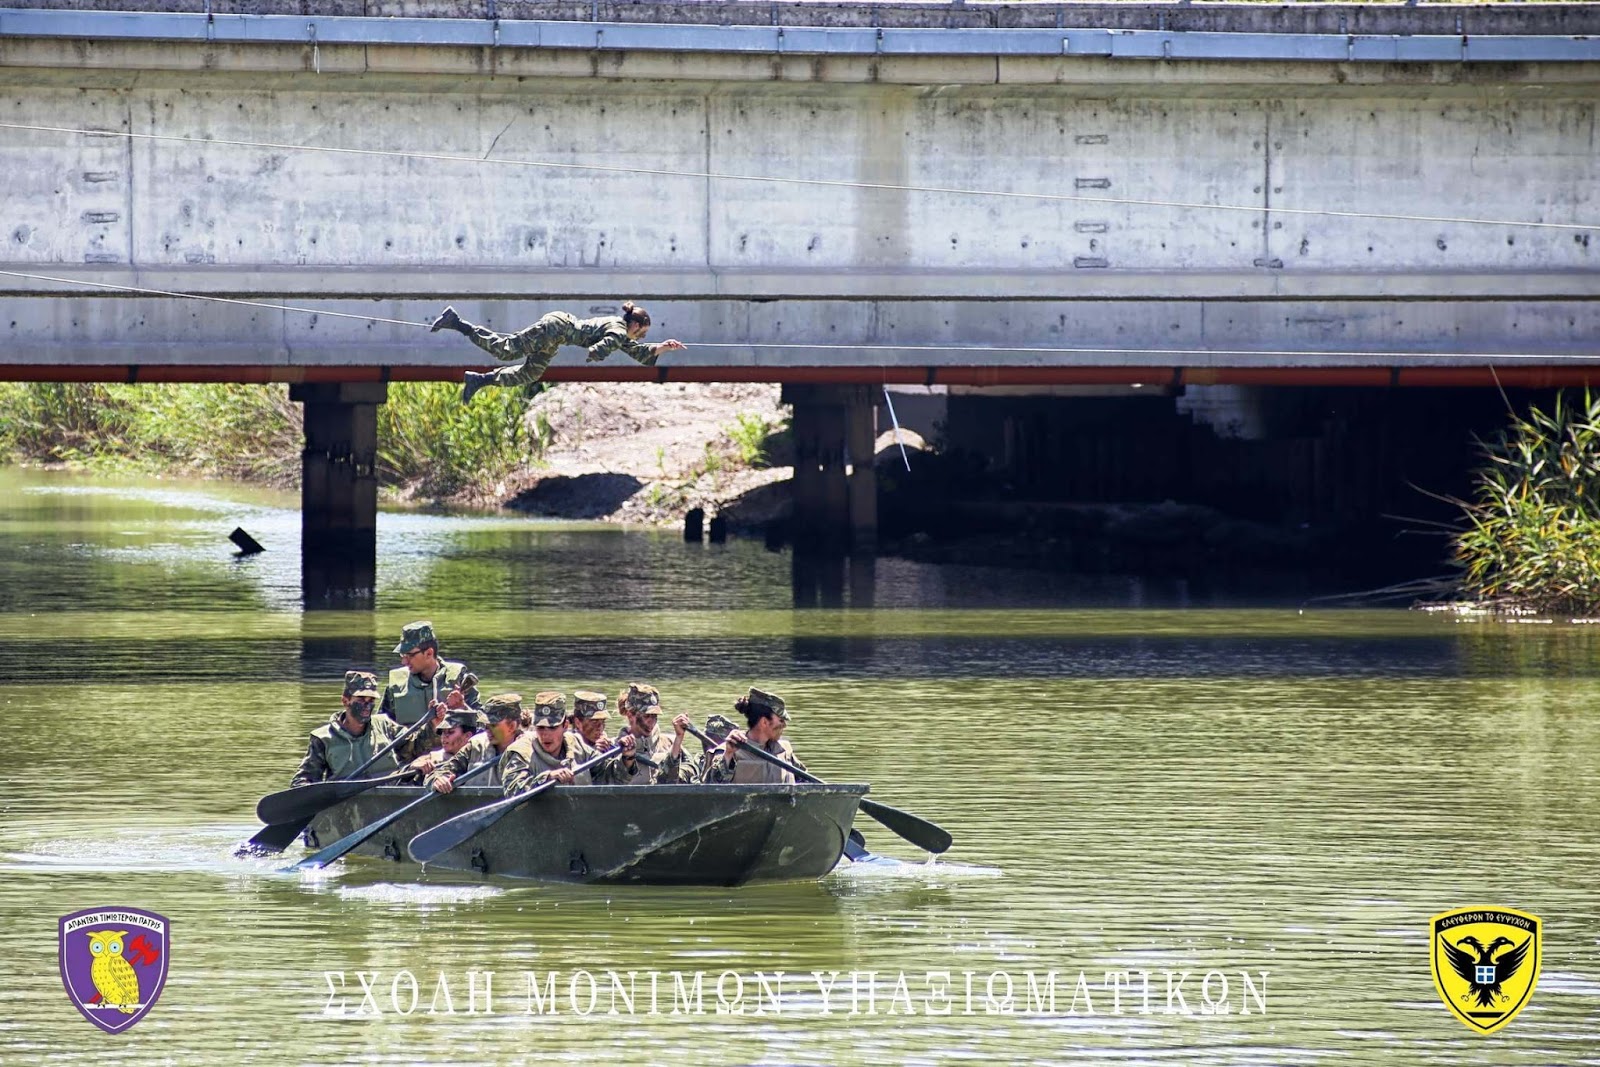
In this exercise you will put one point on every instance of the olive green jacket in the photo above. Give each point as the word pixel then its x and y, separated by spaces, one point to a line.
pixel 334 751
pixel 526 763
pixel 669 770
pixel 474 753
pixel 753 770
pixel 406 698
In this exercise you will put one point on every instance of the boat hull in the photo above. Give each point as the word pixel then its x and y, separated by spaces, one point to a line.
pixel 627 835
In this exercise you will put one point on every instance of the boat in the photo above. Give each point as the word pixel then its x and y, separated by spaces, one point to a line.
pixel 721 835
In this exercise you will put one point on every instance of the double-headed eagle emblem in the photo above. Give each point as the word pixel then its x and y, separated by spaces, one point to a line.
pixel 1485 963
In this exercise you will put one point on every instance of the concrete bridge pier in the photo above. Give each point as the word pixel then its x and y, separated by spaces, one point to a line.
pixel 339 492
pixel 835 486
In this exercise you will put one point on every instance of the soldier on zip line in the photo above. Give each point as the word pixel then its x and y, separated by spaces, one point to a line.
pixel 536 345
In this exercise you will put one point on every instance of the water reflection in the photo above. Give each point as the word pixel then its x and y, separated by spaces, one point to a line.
pixel 1152 789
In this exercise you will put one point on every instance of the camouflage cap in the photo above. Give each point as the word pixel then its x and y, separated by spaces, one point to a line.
pixel 413 635
pixel 360 684
pixel 764 701
pixel 503 706
pixel 585 702
pixel 717 727
pixel 465 719
pixel 549 715
pixel 551 699
pixel 637 697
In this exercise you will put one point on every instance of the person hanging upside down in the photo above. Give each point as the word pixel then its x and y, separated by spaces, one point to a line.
pixel 536 346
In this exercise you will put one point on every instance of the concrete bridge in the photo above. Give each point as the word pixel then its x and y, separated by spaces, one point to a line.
pixel 1175 196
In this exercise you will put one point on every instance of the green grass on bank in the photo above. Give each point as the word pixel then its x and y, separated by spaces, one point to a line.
pixel 426 439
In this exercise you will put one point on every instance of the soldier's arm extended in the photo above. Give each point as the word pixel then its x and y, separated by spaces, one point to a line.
pixel 455 766
pixel 314 768
pixel 616 339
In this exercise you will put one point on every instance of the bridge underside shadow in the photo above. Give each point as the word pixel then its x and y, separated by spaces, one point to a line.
pixel 1351 484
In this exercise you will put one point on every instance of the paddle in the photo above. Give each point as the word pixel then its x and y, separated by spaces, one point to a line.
pixel 305 801
pixel 356 837
pixel 275 837
pixel 920 832
pixel 452 832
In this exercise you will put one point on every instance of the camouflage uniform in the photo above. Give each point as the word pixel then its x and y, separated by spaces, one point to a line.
pixel 334 751
pixel 481 749
pixel 406 697
pixel 655 746
pixel 467 719
pixel 717 728
pixel 746 769
pixel 536 346
pixel 527 764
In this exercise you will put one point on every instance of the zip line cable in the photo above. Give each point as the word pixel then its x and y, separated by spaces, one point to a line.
pixel 203 296
pixel 820 182
pixel 778 346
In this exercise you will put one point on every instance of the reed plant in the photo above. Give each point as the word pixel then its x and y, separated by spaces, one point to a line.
pixel 1533 528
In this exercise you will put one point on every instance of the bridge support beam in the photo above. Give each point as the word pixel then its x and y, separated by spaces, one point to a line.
pixel 835 486
pixel 339 493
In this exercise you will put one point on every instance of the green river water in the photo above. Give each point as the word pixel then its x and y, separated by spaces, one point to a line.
pixel 1135 781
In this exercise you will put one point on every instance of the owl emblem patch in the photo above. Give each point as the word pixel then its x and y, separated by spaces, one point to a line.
pixel 114 964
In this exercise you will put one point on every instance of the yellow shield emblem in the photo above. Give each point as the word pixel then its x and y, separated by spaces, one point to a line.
pixel 1486 963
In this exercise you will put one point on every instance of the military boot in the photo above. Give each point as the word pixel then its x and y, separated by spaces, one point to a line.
pixel 449 321
pixel 474 382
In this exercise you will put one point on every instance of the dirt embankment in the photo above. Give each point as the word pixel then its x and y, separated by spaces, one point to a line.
pixel 646 453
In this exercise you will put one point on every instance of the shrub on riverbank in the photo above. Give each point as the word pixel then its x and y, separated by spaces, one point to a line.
pixel 426 439
pixel 1533 537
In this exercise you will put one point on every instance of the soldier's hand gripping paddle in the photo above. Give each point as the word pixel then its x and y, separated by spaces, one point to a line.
pixel 452 832
pixel 356 837
pixel 275 837
pixel 305 801
pixel 927 836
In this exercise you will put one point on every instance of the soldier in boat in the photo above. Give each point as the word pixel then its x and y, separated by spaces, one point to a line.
pixel 350 736
pixel 777 735
pixel 458 727
pixel 504 712
pixel 589 718
pixel 425 685
pixel 549 753
pixel 761 711
pixel 718 727
pixel 641 706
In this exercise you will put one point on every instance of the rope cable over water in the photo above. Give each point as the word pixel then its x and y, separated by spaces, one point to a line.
pixel 202 296
pixel 821 182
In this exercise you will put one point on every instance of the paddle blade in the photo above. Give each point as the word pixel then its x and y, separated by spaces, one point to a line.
pixel 272 838
pixel 920 832
pixel 352 840
pixel 304 802
pixel 437 840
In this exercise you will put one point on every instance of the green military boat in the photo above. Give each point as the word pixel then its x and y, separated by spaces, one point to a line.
pixel 661 835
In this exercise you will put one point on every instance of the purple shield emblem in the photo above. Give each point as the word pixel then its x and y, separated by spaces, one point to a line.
pixel 113 963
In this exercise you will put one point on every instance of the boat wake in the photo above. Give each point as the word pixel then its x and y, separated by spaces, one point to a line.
pixel 175 849
pixel 933 871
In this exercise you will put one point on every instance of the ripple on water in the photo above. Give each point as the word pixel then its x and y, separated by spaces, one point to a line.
pixel 415 895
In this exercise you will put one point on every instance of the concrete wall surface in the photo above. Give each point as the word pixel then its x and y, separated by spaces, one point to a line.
pixel 1388 212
